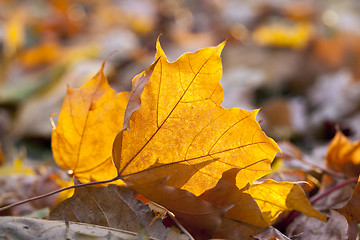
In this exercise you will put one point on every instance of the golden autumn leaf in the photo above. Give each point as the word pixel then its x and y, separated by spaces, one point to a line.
pixel 344 156
pixel 181 121
pixel 273 197
pixel 88 122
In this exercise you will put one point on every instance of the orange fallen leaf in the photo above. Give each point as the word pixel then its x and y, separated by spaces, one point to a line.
pixel 180 120
pixel 88 122
pixel 345 51
pixel 47 52
pixel 344 156
pixel 336 57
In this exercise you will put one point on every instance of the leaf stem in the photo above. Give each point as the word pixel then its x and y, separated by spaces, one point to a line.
pixel 58 191
pixel 320 196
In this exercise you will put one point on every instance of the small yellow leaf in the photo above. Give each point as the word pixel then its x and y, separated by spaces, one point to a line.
pixel 14 32
pixel 180 120
pixel 273 198
pixel 89 120
pixel 295 35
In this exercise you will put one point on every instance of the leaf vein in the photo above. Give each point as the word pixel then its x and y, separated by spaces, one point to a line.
pixel 227 130
pixel 172 110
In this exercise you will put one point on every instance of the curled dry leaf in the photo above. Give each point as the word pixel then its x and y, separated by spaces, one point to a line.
pixel 180 120
pixel 351 210
pixel 138 84
pixel 344 156
pixel 88 122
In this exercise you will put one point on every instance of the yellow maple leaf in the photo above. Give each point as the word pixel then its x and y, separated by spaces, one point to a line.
pixel 344 156
pixel 181 121
pixel 88 122
pixel 273 198
pixel 174 126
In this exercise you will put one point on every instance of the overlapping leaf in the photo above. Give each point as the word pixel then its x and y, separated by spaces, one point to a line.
pixel 243 207
pixel 259 204
pixel 180 120
pixel 273 198
pixel 88 122
pixel 200 218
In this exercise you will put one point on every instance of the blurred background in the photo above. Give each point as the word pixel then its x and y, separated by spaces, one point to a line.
pixel 299 61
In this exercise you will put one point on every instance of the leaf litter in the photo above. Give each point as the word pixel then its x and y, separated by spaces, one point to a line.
pixel 302 88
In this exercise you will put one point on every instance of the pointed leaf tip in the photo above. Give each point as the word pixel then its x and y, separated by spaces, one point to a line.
pixel 159 51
